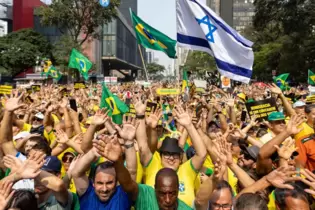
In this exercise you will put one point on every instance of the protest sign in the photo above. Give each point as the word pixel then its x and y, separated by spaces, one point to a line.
pixel 225 82
pixel 5 89
pixel 201 85
pixel 310 99
pixel 168 91
pixel 79 85
pixel 150 106
pixel 261 109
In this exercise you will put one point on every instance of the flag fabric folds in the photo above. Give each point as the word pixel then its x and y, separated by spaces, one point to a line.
pixel 54 73
pixel 151 38
pixel 185 88
pixel 311 78
pixel 116 107
pixel 79 61
pixel 199 28
pixel 281 81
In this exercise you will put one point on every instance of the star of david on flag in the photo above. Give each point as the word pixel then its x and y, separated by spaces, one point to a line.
pixel 199 28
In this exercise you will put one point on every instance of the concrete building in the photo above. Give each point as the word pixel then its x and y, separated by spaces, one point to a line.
pixel 150 56
pixel 6 17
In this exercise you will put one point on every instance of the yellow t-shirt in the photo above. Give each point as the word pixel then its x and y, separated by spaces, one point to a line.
pixel 139 170
pixel 306 132
pixel 187 176
pixel 26 127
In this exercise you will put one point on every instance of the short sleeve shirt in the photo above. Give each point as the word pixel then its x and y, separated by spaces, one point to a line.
pixel 53 204
pixel 118 201
pixel 147 199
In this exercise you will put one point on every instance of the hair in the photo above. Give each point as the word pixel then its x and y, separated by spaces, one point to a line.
pixel 23 200
pixel 250 201
pixel 102 166
pixel 309 108
pixel 41 144
pixel 282 194
pixel 222 184
pixel 167 172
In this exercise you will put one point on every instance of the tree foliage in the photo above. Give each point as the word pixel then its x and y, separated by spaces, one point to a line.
pixel 284 37
pixel 19 50
pixel 78 18
pixel 155 68
pixel 200 62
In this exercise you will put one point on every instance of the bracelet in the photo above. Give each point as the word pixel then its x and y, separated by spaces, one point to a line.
pixel 140 116
pixel 129 145
pixel 220 112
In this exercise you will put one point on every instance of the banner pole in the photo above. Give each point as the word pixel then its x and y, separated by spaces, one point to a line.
pixel 145 69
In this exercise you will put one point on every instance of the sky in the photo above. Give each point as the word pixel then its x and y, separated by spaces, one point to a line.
pixel 161 15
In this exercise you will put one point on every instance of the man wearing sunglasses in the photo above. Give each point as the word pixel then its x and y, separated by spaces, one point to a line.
pixel 276 122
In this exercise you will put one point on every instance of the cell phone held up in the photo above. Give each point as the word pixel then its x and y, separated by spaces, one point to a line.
pixel 73 104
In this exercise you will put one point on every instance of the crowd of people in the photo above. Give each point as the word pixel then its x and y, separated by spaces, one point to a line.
pixel 194 150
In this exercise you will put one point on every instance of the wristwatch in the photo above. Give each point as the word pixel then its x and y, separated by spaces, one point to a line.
pixel 128 146
pixel 140 116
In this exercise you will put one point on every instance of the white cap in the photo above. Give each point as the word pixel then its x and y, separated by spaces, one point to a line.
pixel 21 135
pixel 39 115
pixel 298 104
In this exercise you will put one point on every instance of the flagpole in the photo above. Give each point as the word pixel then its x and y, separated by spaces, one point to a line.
pixel 145 69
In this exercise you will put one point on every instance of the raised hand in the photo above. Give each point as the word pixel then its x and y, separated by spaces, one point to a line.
pixel 230 100
pixel 31 167
pixel 14 102
pixel 154 118
pixel 219 170
pixel 310 181
pixel 287 148
pixel 62 137
pixel 100 117
pixel 128 131
pixel 78 138
pixel 138 105
pixel 6 193
pixel 12 162
pixel 73 164
pixel 294 123
pixel 108 147
pixel 64 103
pixel 181 116
pixel 275 89
pixel 278 177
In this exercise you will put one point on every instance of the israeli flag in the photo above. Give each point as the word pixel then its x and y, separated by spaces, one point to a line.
pixel 199 28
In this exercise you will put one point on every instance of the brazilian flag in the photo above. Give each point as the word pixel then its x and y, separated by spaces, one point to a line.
pixel 311 78
pixel 151 38
pixel 114 104
pixel 281 81
pixel 185 88
pixel 54 73
pixel 79 61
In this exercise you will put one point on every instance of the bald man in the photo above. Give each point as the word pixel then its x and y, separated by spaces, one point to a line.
pixel 164 196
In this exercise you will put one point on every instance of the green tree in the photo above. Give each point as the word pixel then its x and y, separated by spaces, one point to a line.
pixel 19 50
pixel 200 62
pixel 80 19
pixel 155 68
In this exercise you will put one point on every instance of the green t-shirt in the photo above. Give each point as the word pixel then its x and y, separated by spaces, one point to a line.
pixel 147 200
pixel 75 202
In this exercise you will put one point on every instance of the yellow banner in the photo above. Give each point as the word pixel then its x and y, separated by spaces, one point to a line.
pixel 5 89
pixel 79 85
pixel 167 91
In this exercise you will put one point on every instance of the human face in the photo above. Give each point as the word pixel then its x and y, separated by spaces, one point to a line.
pixel 37 122
pixel 221 199
pixel 171 160
pixel 311 117
pixel 300 110
pixel 245 162
pixel 296 204
pixel 28 146
pixel 67 160
pixel 166 190
pixel 277 126
pixel 104 184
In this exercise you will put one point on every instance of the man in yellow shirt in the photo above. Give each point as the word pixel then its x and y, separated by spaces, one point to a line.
pixel 170 154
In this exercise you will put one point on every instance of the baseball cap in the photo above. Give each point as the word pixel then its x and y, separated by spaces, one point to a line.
pixel 39 115
pixel 170 145
pixel 52 164
pixel 298 104
pixel 21 135
pixel 242 96
pixel 274 116
pixel 253 151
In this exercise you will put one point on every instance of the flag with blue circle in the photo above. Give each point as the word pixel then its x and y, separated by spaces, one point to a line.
pixel 79 61
pixel 104 3
pixel 199 28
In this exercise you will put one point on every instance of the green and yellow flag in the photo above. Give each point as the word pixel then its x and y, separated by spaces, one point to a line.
pixel 151 38
pixel 281 81
pixel 54 73
pixel 185 87
pixel 311 78
pixel 79 61
pixel 114 104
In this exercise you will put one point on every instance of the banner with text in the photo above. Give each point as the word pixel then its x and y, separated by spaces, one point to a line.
pixel 261 109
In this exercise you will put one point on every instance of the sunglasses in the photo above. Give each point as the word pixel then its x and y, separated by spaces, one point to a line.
pixel 67 159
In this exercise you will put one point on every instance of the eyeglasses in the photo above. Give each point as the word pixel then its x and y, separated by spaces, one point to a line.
pixel 67 159
pixel 168 155
pixel 221 206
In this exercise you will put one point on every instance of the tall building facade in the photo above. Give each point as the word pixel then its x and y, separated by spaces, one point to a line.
pixel 150 56
pixel 6 17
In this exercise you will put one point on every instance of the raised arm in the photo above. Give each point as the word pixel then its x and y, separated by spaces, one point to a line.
pixel 184 119
pixel 141 134
pixel 6 134
pixel 286 104
pixel 152 122
pixel 110 148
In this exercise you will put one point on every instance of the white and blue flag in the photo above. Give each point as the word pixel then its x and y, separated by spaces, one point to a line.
pixel 199 28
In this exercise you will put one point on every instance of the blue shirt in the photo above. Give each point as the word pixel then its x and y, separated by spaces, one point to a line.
pixel 118 201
